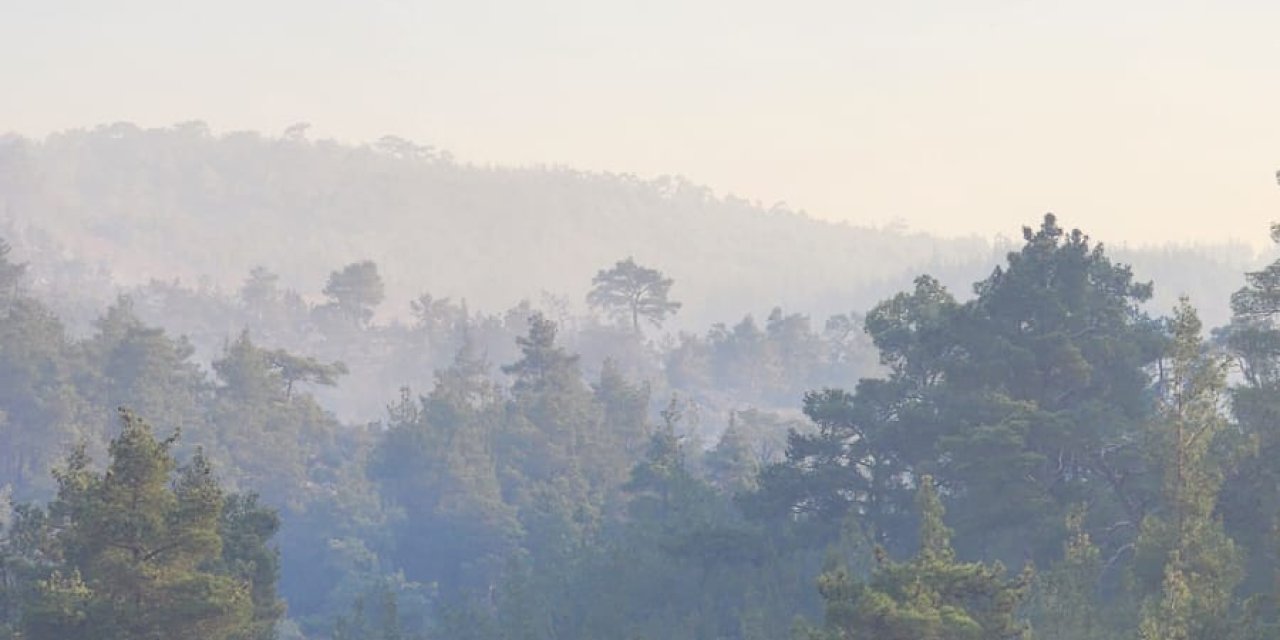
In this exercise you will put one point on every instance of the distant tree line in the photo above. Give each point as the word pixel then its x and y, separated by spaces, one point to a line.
pixel 1044 457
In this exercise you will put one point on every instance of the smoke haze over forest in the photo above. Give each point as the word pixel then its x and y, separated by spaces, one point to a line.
pixel 956 119
pixel 650 321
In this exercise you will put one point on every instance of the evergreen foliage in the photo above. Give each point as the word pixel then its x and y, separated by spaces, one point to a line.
pixel 632 292
pixel 560 478
pixel 134 552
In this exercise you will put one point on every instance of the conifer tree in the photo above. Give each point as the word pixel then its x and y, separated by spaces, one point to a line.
pixel 1184 557
pixel 732 464
pixel 932 596
pixel 356 291
pixel 1250 497
pixel 135 545
pixel 630 291
pixel 1065 599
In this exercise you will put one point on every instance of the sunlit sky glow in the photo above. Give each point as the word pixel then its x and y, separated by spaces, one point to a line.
pixel 1138 121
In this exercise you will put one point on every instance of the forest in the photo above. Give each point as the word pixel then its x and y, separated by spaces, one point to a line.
pixel 1036 438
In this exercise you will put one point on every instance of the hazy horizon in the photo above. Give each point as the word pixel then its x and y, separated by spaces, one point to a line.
pixel 569 320
pixel 952 121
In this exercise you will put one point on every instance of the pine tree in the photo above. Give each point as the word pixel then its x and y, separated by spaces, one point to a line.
pixel 1065 598
pixel 11 274
pixel 1250 497
pixel 135 546
pixel 630 291
pixel 436 461
pixel 1185 559
pixel 246 527
pixel 930 597
pixel 355 291
pixel 732 464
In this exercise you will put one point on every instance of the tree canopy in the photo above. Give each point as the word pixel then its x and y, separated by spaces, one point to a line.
pixel 138 551
pixel 631 291
pixel 541 474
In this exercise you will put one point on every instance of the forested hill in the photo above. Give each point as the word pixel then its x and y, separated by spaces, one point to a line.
pixel 230 454
pixel 181 202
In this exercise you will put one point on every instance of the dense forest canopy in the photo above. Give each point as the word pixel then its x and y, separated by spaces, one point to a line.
pixel 191 224
pixel 716 420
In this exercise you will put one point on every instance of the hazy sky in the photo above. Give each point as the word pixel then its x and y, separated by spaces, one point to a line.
pixel 1139 120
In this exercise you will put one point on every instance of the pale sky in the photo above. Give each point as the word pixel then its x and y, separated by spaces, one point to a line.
pixel 1138 121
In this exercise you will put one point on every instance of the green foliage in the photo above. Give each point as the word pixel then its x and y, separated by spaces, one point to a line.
pixel 133 551
pixel 356 291
pixel 624 411
pixel 246 528
pixel 733 465
pixel 543 365
pixel 377 614
pixel 294 369
pixel 269 436
pixel 1183 548
pixel 835 473
pixel 631 292
pixel 538 500
pixel 1065 601
pixel 11 274
pixel 142 368
pixel 260 290
pixel 1250 495
pixel 40 404
pixel 1023 401
pixel 930 597
pixel 436 463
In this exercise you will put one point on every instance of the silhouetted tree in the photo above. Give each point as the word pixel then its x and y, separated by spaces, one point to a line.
pixel 634 291
pixel 356 290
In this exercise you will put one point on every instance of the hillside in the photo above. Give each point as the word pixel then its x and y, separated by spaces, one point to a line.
pixel 182 203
